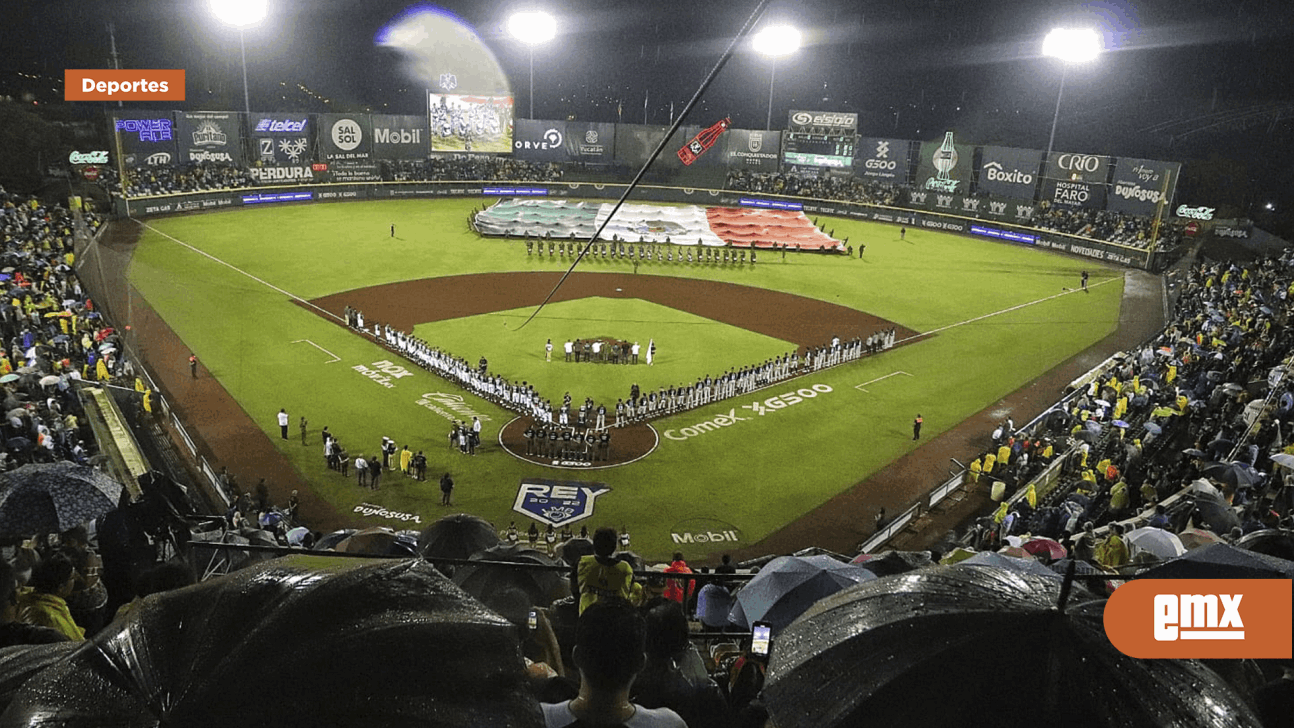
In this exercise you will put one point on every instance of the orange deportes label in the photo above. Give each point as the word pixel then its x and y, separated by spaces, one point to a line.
pixel 1202 618
pixel 107 84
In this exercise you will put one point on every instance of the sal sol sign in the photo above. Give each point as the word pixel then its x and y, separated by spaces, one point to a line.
pixel 555 502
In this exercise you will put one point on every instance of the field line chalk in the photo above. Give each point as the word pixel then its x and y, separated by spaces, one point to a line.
pixel 235 268
pixel 1065 292
pixel 859 387
pixel 320 348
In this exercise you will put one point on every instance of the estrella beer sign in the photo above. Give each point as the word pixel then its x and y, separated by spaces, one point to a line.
pixel 557 503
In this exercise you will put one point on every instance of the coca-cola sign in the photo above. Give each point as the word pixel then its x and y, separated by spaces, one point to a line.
pixel 97 157
pixel 1196 213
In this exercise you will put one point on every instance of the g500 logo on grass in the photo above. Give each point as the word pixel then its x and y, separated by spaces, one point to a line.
pixel 1201 618
pixel 759 407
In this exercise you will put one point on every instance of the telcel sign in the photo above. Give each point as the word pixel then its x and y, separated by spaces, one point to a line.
pixel 1196 213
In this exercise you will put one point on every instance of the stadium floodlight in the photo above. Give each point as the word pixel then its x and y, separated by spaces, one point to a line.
pixel 241 14
pixel 775 41
pixel 1070 45
pixel 532 28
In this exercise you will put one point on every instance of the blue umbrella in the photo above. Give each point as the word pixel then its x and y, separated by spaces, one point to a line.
pixel 789 585
pixel 1120 423
pixel 1152 428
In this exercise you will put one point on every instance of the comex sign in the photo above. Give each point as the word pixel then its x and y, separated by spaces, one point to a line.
pixel 760 408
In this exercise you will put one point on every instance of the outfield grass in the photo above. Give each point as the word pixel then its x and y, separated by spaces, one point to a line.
pixel 757 474
pixel 686 345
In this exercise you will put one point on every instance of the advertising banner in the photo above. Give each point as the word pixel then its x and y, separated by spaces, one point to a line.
pixel 1015 211
pixel 883 160
pixel 1073 194
pixel 470 124
pixel 950 203
pixel 750 149
pixel 1009 172
pixel 822 122
pixel 209 136
pixel 590 142
pixel 284 139
pixel 147 139
pixel 269 174
pixel 536 140
pixel 1078 167
pixel 944 166
pixel 345 137
pixel 635 143
pixel 400 137
pixel 1139 185
pixel 354 170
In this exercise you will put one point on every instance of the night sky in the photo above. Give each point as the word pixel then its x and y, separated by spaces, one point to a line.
pixel 1183 80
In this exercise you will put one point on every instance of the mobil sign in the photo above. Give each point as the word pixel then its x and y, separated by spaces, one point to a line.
pixel 557 503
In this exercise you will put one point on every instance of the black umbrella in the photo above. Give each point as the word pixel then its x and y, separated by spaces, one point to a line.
pixel 20 663
pixel 893 562
pixel 858 657
pixel 1214 512
pixel 1234 474
pixel 53 497
pixel 1221 561
pixel 456 537
pixel 1278 542
pixel 327 542
pixel 399 645
pixel 572 551
pixel 540 585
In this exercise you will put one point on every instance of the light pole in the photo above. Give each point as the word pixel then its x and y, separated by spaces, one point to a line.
pixel 774 41
pixel 532 28
pixel 1070 46
pixel 240 14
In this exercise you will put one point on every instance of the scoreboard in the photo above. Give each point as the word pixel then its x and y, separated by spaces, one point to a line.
pixel 819 150
pixel 820 139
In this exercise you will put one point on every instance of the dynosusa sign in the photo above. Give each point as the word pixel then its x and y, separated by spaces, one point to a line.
pixel 555 502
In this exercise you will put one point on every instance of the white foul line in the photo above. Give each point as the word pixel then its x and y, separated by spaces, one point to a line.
pixel 265 283
pixel 887 376
pixel 320 348
pixel 1005 310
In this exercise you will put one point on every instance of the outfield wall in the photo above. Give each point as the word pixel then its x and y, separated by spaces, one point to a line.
pixel 995 224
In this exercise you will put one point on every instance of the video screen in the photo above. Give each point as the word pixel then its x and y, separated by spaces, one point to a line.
pixel 470 124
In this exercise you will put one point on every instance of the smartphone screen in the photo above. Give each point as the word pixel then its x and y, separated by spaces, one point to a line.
pixel 534 620
pixel 761 635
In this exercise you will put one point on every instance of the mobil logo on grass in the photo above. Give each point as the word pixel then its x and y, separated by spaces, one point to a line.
pixel 557 502
pixel 1202 619
pixel 704 531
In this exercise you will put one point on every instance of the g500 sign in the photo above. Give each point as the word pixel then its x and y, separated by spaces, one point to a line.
pixel 748 412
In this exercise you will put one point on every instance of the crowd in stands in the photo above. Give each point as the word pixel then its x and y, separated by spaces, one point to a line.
pixel 1183 433
pixel 1108 225
pixel 175 179
pixel 824 187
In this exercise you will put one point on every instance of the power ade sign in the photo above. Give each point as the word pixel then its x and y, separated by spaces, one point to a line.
pixel 345 137
pixel 400 137
pixel 210 137
pixel 1078 167
pixel 885 160
pixel 749 149
pixel 286 140
pixel 822 122
pixel 1140 184
pixel 1009 172
pixel 539 141
pixel 590 142
pixel 146 141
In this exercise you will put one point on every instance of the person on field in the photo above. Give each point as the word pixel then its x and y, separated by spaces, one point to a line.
pixel 193 365
pixel 916 427
pixel 283 423
pixel 446 489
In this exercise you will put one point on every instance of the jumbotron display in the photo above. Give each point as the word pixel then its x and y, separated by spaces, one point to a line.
pixel 460 123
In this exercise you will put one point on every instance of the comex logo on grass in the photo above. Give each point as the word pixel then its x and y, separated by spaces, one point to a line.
pixel 759 407
pixel 1201 619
